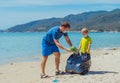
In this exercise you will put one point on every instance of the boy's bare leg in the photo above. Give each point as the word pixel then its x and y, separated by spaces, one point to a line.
pixel 57 60
pixel 43 64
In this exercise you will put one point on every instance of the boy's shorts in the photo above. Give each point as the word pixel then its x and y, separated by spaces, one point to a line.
pixel 85 56
pixel 48 49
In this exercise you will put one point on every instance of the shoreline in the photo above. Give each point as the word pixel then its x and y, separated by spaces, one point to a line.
pixel 91 31
pixel 38 57
pixel 105 68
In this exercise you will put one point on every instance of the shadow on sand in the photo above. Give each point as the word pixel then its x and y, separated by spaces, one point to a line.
pixel 101 72
pixel 93 73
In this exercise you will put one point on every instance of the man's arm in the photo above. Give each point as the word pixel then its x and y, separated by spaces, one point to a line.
pixel 68 40
pixel 60 46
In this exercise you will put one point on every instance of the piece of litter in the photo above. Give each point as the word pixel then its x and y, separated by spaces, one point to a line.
pixel 55 80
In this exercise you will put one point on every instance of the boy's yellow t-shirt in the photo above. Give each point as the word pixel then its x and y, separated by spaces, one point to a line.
pixel 85 41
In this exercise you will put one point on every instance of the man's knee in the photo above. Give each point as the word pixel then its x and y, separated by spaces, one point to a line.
pixel 44 58
pixel 57 55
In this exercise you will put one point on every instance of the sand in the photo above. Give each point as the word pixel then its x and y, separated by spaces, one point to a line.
pixel 105 68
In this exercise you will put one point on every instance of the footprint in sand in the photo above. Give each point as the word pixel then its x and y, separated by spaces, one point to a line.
pixel 1 73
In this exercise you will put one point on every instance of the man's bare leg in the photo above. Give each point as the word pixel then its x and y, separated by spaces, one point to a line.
pixel 57 60
pixel 43 64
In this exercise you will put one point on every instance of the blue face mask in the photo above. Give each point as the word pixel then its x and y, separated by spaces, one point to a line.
pixel 65 31
pixel 85 35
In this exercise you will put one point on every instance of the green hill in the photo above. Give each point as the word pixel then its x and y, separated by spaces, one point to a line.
pixel 95 20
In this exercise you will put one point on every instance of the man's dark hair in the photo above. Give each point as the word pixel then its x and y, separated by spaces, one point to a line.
pixel 65 25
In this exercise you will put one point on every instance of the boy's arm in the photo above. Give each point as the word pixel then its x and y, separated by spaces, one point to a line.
pixel 88 50
pixel 89 46
pixel 79 47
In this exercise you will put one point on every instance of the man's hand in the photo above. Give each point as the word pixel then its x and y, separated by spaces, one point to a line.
pixel 60 46
pixel 67 50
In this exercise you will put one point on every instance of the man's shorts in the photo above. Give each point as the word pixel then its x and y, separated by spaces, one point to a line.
pixel 48 49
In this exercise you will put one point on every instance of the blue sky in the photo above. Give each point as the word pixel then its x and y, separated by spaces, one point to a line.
pixel 14 12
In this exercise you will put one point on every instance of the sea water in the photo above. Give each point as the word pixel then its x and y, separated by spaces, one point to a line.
pixel 26 46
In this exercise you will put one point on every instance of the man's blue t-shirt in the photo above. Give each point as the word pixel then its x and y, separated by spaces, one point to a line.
pixel 53 33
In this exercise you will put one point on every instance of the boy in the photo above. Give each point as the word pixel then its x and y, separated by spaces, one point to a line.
pixel 85 42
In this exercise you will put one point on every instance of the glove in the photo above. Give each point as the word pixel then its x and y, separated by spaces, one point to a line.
pixel 74 49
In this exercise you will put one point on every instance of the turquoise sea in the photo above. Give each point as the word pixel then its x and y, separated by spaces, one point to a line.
pixel 27 46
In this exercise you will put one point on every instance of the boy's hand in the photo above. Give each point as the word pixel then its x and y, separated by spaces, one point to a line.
pixel 87 52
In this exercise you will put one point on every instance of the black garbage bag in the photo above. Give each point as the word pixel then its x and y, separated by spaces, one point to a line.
pixel 78 64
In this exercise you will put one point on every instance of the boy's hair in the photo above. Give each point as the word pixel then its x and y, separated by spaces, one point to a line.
pixel 85 30
pixel 65 25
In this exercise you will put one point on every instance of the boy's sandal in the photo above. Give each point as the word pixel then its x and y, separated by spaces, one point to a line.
pixel 60 73
pixel 44 76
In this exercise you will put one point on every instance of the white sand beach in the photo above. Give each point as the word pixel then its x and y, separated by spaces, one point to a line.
pixel 105 68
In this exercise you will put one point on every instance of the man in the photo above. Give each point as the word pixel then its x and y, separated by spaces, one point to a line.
pixel 51 45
